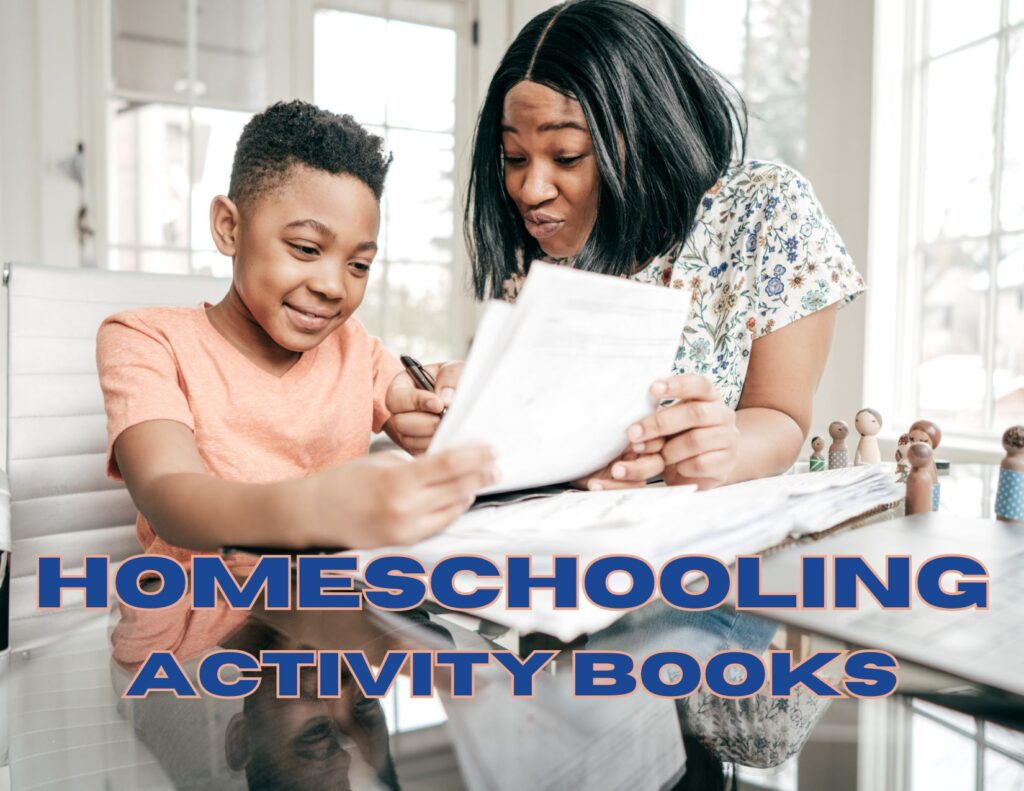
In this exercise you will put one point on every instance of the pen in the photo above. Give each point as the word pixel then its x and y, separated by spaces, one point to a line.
pixel 420 375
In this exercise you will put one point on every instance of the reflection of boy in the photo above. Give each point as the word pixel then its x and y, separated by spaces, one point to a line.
pixel 307 742
pixel 244 422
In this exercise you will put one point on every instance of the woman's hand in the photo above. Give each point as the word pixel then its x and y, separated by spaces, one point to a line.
pixel 415 413
pixel 630 470
pixel 699 434
pixel 386 499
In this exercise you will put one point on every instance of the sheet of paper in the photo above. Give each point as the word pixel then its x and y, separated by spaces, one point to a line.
pixel 655 523
pixel 555 740
pixel 553 382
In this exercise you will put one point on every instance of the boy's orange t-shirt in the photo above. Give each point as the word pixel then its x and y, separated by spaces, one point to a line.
pixel 249 425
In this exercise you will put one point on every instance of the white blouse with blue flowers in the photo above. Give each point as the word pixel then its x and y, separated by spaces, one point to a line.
pixel 762 254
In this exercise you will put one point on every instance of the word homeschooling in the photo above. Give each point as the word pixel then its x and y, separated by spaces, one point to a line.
pixel 619 582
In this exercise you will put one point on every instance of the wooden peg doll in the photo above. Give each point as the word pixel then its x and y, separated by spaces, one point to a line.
pixel 838 455
pixel 1010 492
pixel 919 481
pixel 902 464
pixel 817 456
pixel 868 423
pixel 927 432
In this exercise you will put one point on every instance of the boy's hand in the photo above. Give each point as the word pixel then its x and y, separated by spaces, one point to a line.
pixel 629 471
pixel 416 413
pixel 385 499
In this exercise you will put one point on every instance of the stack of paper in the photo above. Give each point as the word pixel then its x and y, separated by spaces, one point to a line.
pixel 553 382
pixel 655 523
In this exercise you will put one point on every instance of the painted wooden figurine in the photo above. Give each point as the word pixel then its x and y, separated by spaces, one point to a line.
pixel 868 423
pixel 927 432
pixel 838 455
pixel 817 457
pixel 902 463
pixel 919 481
pixel 1010 493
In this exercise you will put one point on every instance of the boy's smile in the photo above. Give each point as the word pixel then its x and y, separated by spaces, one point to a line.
pixel 302 255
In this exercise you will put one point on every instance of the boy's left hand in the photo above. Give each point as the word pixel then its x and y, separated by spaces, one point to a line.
pixel 415 413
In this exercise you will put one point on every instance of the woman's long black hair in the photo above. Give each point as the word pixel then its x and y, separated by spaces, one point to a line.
pixel 680 126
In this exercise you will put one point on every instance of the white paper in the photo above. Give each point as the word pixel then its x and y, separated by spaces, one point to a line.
pixel 553 382
pixel 655 523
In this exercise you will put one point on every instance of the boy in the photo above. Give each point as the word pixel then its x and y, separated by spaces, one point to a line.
pixel 245 422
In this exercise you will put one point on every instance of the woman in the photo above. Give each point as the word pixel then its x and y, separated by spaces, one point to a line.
pixel 605 144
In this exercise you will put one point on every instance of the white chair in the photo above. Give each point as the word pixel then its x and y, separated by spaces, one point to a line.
pixel 64 730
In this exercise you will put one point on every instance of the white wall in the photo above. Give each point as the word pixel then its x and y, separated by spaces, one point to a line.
pixel 838 164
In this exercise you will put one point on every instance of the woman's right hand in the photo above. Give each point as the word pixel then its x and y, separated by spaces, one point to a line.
pixel 385 499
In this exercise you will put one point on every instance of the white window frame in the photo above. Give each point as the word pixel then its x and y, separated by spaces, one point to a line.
pixel 461 312
pixel 290 76
pixel 896 250
pixel 98 89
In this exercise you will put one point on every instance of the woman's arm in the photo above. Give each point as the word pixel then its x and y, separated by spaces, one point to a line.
pixel 775 409
pixel 708 444
pixel 374 501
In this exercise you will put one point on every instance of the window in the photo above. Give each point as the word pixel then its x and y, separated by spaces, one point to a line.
pixel 952 750
pixel 184 79
pixel 964 166
pixel 761 47
pixel 397 76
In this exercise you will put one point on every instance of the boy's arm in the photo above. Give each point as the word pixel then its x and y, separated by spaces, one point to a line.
pixel 375 501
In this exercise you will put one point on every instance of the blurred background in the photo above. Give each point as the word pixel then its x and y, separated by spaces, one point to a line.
pixel 118 121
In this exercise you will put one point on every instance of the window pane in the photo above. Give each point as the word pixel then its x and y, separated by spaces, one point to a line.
pixel 1008 376
pixel 962 721
pixel 232 52
pixel 1005 738
pixel 940 758
pixel 148 46
pixel 952 375
pixel 959 142
pixel 952 23
pixel 717 33
pixel 168 262
pixel 1016 11
pixel 371 312
pixel 348 76
pixel 210 262
pixel 122 260
pixel 421 90
pixel 777 130
pixel 215 136
pixel 420 197
pixel 1012 206
pixel 148 174
pixel 1002 772
pixel 777 50
pixel 418 296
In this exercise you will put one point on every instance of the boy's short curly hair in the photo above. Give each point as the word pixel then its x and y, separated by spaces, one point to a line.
pixel 299 133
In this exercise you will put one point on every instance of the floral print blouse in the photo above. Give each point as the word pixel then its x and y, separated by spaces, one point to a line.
pixel 761 254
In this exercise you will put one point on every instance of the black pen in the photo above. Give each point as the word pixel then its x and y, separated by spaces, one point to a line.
pixel 420 375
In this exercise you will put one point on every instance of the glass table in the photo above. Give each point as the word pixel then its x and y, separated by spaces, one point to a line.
pixel 70 726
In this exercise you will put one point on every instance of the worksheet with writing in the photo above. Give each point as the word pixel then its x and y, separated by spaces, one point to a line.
pixel 553 382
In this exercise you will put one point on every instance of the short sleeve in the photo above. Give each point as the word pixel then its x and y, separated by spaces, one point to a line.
pixel 385 368
pixel 139 379
pixel 801 263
